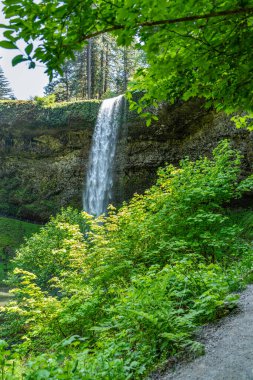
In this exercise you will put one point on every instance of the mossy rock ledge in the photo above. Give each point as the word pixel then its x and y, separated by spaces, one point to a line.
pixel 44 151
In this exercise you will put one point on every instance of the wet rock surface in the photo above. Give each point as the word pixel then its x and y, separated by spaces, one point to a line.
pixel 228 348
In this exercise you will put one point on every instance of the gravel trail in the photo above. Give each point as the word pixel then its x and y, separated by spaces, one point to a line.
pixel 228 348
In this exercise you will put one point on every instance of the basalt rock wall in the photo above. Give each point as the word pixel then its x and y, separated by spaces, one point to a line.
pixel 44 151
pixel 184 129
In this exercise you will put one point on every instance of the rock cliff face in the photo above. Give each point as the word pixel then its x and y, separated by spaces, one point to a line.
pixel 44 154
pixel 185 129
pixel 44 151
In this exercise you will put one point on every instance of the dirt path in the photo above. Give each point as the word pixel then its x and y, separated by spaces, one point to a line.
pixel 229 348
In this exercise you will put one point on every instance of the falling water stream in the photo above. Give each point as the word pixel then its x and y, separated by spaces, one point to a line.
pixel 99 182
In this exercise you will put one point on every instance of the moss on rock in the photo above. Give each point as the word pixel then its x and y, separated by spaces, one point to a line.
pixel 29 114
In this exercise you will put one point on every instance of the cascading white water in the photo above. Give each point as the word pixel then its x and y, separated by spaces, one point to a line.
pixel 99 182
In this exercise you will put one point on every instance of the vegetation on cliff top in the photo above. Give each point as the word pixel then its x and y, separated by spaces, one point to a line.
pixel 36 114
pixel 110 298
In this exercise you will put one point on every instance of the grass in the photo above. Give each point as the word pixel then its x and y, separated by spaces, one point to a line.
pixel 12 234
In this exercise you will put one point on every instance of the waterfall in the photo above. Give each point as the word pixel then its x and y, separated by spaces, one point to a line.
pixel 99 182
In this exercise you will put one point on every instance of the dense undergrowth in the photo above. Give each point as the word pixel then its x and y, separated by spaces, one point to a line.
pixel 111 298
pixel 12 234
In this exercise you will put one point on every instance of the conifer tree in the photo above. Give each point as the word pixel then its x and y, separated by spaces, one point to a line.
pixel 5 90
pixel 101 69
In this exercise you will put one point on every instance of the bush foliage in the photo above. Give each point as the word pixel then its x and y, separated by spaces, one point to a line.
pixel 110 298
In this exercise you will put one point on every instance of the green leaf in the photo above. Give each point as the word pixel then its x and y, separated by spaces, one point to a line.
pixel 4 26
pixel 18 59
pixel 29 49
pixel 8 34
pixel 32 65
pixel 43 374
pixel 7 45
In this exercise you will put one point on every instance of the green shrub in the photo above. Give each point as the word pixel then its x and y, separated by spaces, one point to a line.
pixel 49 252
pixel 45 101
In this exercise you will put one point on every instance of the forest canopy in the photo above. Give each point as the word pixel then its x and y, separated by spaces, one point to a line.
pixel 193 48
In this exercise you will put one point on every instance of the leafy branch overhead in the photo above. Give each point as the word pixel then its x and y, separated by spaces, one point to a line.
pixel 193 48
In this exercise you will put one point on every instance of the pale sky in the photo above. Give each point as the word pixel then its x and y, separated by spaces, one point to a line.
pixel 24 82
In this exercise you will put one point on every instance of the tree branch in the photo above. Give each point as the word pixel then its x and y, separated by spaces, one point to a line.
pixel 231 12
